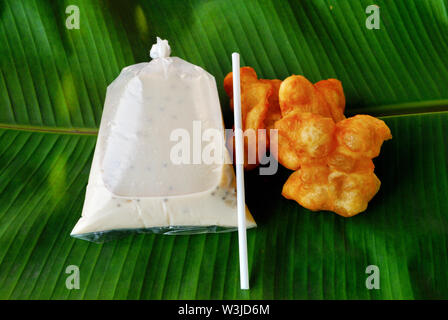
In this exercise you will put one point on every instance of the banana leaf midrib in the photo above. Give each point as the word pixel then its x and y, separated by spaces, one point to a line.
pixel 381 111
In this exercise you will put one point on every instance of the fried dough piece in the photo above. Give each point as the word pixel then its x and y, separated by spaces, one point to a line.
pixel 333 94
pixel 282 149
pixel 346 145
pixel 309 187
pixel 255 96
pixel 352 191
pixel 362 135
pixel 317 187
pixel 304 138
pixel 274 113
pixel 326 98
pixel 337 175
pixel 358 139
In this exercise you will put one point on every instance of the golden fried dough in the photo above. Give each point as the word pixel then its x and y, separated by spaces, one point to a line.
pixel 361 135
pixel 274 113
pixel 255 97
pixel 333 94
pixel 286 155
pixel 309 187
pixel 309 136
pixel 358 139
pixel 317 187
pixel 336 175
pixel 331 155
pixel 326 98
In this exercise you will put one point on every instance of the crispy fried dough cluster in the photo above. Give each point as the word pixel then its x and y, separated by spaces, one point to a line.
pixel 259 110
pixel 331 155
pixel 333 161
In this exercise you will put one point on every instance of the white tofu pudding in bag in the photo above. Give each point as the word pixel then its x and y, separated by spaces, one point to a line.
pixel 135 185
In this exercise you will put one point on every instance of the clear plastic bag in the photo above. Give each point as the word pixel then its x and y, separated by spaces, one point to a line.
pixel 134 185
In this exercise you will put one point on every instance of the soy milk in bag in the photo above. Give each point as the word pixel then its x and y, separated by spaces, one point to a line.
pixel 141 179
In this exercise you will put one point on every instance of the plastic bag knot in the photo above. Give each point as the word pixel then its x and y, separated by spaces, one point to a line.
pixel 160 50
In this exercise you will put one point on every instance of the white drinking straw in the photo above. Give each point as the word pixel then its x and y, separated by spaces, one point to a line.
pixel 239 157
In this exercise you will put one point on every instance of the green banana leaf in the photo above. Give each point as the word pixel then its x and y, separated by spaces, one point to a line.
pixel 52 87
